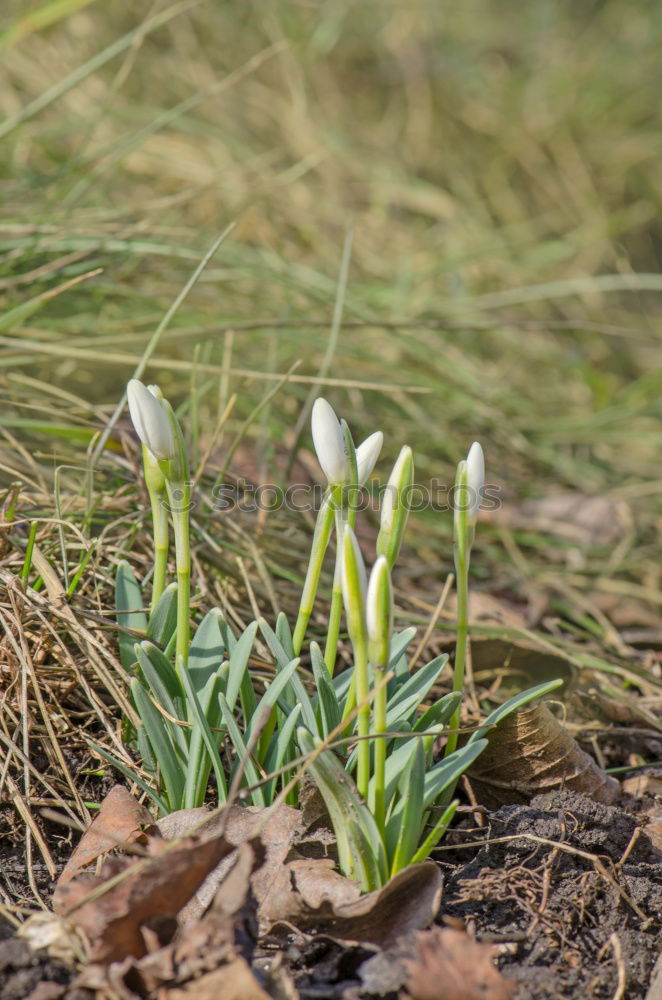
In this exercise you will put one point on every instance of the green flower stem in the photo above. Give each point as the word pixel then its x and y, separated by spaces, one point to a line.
pixel 362 692
pixel 179 495
pixel 160 528
pixel 335 611
pixel 381 699
pixel 156 488
pixel 462 570
pixel 321 536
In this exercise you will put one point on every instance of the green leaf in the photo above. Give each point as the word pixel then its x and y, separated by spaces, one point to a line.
pixel 270 697
pixel 210 740
pixel 275 757
pixel 206 652
pixel 166 688
pixel 438 713
pixel 518 701
pixel 132 776
pixel 404 828
pixel 199 762
pixel 251 774
pixel 295 693
pixel 278 652
pixel 330 712
pixel 284 634
pixel 361 851
pixel 238 658
pixel 418 684
pixel 163 619
pixel 450 769
pixel 129 604
pixel 164 750
pixel 437 832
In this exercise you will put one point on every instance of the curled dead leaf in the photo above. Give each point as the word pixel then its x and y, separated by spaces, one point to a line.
pixel 121 820
pixel 530 752
pixel 449 965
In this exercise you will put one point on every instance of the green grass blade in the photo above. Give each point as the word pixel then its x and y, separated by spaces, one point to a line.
pixel 404 828
pixel 512 705
pixel 170 765
pixel 252 775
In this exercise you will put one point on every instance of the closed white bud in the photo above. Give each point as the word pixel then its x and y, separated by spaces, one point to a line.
pixel 330 443
pixel 475 479
pixel 379 612
pixel 150 420
pixel 367 454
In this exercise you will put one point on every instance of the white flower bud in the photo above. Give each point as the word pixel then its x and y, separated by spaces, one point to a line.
pixel 330 443
pixel 475 479
pixel 367 454
pixel 151 421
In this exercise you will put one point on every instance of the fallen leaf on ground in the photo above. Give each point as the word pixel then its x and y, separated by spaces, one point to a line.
pixel 409 901
pixel 121 820
pixel 153 888
pixel 206 958
pixel 449 965
pixel 530 752
pixel 578 517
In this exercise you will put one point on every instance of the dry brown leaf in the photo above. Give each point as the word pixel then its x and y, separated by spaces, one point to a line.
pixel 408 902
pixel 278 834
pixel 529 752
pixel 449 965
pixel 234 981
pixel 154 888
pixel 578 517
pixel 121 820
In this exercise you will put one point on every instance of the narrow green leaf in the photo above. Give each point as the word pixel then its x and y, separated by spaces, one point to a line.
pixel 270 697
pixel 251 774
pixel 275 756
pixel 238 658
pixel 361 849
pixel 163 619
pixel 210 740
pixel 403 830
pixel 166 688
pixel 437 832
pixel 160 739
pixel 450 769
pixel 284 634
pixel 199 762
pixel 129 604
pixel 330 712
pixel 207 650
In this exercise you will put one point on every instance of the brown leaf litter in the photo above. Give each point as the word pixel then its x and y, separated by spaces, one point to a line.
pixel 530 752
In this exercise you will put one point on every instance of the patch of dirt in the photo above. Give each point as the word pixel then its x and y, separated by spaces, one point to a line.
pixel 570 918
pixel 29 975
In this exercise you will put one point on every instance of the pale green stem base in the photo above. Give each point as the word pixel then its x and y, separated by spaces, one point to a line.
pixel 335 611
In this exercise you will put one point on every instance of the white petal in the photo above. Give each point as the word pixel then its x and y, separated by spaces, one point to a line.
pixel 367 454
pixel 329 442
pixel 475 477
pixel 150 420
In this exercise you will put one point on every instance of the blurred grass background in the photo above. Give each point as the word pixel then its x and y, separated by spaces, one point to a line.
pixel 496 166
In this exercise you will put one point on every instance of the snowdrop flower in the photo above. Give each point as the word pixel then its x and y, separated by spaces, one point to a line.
pixel 151 420
pixel 330 443
pixel 475 479
pixel 367 454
